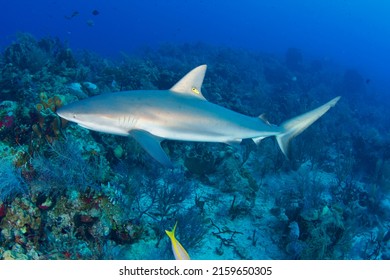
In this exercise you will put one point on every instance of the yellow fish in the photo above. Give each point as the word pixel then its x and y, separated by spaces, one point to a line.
pixel 178 250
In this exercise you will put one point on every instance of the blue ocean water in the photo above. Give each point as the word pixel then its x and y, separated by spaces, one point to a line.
pixel 354 33
pixel 330 201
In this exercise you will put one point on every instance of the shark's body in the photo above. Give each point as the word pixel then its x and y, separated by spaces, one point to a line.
pixel 180 113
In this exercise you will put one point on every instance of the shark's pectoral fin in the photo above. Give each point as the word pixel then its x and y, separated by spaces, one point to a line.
pixel 152 145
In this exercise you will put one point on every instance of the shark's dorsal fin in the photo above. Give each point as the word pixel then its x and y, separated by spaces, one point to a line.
pixel 191 83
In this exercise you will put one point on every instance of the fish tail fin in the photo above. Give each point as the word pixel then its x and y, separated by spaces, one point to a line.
pixel 295 126
pixel 171 234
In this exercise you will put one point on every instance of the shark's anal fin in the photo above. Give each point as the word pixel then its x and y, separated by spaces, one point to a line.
pixel 152 145
pixel 234 143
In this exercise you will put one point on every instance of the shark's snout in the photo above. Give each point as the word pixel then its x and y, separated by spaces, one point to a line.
pixel 66 114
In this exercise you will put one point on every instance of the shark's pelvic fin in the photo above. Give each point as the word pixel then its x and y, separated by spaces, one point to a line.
pixel 191 83
pixel 297 125
pixel 152 145
pixel 257 140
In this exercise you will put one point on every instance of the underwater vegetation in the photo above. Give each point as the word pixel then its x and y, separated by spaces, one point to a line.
pixel 70 193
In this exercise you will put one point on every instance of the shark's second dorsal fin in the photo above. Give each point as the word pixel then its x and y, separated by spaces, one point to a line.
pixel 191 83
pixel 263 117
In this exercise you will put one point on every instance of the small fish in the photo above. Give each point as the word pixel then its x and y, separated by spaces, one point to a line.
pixel 178 250
pixel 90 23
pixel 95 12
pixel 74 14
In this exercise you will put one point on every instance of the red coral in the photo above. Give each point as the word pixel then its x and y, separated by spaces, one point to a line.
pixel 7 121
pixel 3 210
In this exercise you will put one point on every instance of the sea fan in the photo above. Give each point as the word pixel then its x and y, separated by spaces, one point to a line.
pixel 66 168
pixel 11 183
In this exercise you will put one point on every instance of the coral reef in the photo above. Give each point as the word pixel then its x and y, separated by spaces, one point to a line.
pixel 70 193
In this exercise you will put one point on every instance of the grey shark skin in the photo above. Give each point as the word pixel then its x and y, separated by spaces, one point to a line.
pixel 180 113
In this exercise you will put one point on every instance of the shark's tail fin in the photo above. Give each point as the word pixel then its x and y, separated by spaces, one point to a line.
pixel 297 125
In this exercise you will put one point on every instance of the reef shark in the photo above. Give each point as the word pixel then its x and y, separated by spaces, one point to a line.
pixel 180 113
